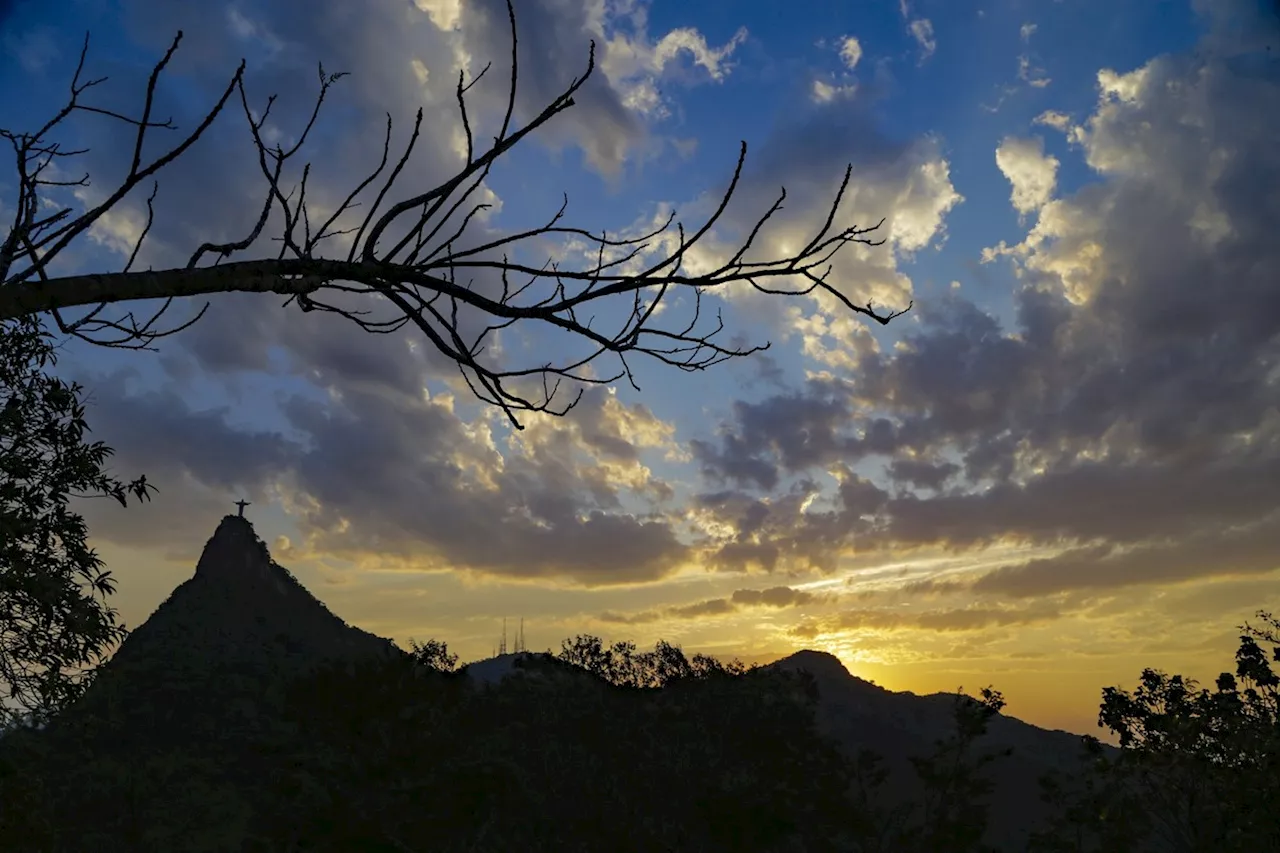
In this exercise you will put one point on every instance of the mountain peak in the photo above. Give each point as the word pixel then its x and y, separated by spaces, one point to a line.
pixel 818 664
pixel 234 548
pixel 240 613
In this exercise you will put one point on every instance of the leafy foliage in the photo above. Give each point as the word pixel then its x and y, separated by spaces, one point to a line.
pixel 622 666
pixel 953 814
pixel 54 622
pixel 435 654
pixel 949 813
pixel 1198 769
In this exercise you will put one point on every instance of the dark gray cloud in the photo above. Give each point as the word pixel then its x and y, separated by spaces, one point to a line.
pixel 973 618
pixel 779 533
pixel 777 597
pixel 922 474
pixel 1128 412
pixel 554 38
pixel 774 596
pixel 792 432
pixel 374 472
pixel 399 59
pixel 374 468
pixel 1226 549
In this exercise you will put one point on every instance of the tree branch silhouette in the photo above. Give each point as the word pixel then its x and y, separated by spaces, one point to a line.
pixel 425 274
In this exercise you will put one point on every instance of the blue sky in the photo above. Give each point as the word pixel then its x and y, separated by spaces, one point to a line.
pixel 1050 473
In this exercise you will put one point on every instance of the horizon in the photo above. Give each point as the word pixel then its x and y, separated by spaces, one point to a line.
pixel 1058 468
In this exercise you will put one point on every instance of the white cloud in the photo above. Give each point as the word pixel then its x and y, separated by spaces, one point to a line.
pixel 823 92
pixel 1167 137
pixel 921 30
pixel 1026 31
pixel 850 52
pixel 692 42
pixel 445 14
pixel 1060 122
pixel 1030 74
pixel 1032 172
pixel 1124 88
pixel 634 64
pixel 420 71
pixel 909 187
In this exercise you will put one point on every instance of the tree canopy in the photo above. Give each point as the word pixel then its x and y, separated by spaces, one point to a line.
pixel 54 621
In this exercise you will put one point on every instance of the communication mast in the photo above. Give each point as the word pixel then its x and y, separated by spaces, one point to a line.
pixel 519 639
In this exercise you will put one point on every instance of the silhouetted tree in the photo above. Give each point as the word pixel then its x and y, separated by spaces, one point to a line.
pixel 417 259
pixel 54 621
pixel 622 666
pixel 954 808
pixel 948 813
pixel 434 654
pixel 1198 770
pixel 388 761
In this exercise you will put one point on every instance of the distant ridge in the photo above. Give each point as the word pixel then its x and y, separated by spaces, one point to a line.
pixel 897 725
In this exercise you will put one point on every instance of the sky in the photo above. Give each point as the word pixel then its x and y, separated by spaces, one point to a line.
pixel 1062 465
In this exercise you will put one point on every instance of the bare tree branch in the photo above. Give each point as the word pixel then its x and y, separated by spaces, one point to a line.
pixel 426 274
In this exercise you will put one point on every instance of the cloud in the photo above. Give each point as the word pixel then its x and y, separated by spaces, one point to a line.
pixel 400 58
pixel 1239 550
pixel 922 474
pixel 573 500
pixel 1123 416
pixel 1030 74
pixel 445 14
pixel 973 618
pixel 1059 121
pixel 921 30
pixel 824 93
pixel 777 597
pixel 1032 173
pixel 850 52
pixel 907 183
pixel 377 476
pixel 635 64
pixel 1117 418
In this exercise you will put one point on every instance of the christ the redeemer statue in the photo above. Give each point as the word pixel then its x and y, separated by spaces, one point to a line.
pixel 242 504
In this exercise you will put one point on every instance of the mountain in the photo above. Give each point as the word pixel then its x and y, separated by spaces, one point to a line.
pixel 186 721
pixel 191 731
pixel 897 725
pixel 241 619
pixel 242 607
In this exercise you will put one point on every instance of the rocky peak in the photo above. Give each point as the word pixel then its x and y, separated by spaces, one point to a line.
pixel 817 663
pixel 240 613
pixel 235 554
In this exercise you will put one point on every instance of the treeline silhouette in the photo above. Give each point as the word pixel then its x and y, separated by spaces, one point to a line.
pixel 606 748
